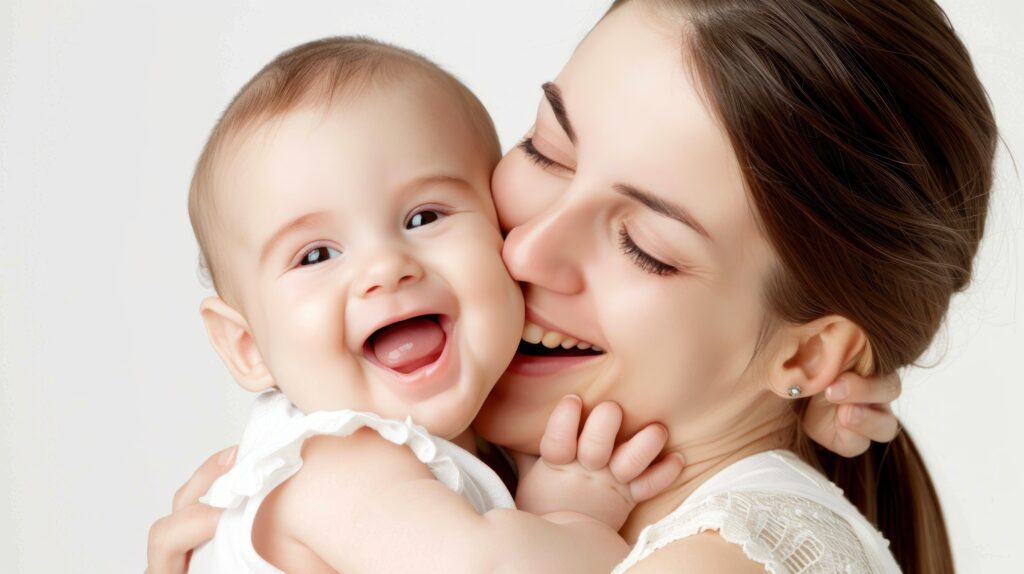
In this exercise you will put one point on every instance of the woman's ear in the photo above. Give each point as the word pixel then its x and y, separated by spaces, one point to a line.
pixel 812 355
pixel 230 336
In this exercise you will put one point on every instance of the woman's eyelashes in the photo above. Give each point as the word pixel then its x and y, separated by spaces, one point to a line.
pixel 526 145
pixel 642 259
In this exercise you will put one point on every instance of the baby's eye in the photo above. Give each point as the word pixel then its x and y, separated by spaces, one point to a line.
pixel 423 217
pixel 318 254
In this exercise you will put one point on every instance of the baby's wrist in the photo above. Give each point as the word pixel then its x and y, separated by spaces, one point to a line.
pixel 548 492
pixel 577 517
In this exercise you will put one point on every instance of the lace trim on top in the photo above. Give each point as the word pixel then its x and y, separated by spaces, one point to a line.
pixel 787 534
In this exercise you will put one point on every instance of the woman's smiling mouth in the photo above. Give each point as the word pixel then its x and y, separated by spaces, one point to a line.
pixel 541 342
pixel 545 351
pixel 535 336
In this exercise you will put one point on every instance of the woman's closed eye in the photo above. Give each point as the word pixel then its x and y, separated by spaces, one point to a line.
pixel 642 259
pixel 526 145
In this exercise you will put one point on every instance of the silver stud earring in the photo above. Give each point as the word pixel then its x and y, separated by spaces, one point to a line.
pixel 795 391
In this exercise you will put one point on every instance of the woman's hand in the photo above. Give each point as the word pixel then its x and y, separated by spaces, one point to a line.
pixel 852 412
pixel 172 538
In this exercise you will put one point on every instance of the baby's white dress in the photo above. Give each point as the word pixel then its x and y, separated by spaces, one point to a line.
pixel 270 452
pixel 784 514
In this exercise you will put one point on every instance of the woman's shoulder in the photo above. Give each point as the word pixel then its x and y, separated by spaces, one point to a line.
pixel 775 512
pixel 704 553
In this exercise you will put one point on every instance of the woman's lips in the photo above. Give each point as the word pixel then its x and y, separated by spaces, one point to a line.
pixel 548 350
pixel 537 366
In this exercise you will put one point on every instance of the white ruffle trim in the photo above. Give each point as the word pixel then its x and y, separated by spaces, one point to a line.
pixel 270 453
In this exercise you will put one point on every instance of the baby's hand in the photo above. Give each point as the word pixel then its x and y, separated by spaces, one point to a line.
pixel 589 474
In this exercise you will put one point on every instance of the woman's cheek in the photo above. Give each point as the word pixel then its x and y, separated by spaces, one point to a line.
pixel 522 190
pixel 668 340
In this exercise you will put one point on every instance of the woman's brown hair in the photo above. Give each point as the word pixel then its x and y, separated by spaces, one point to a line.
pixel 867 144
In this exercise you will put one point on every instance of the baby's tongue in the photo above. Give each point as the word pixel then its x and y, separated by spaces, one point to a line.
pixel 409 345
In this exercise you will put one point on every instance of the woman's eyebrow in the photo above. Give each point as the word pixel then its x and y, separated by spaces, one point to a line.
pixel 663 207
pixel 554 97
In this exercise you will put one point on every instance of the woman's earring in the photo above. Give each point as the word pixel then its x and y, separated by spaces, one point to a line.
pixel 795 391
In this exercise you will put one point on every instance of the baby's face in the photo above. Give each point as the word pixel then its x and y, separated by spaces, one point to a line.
pixel 367 258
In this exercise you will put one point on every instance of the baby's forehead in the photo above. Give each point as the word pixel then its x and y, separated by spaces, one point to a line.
pixel 425 121
pixel 365 144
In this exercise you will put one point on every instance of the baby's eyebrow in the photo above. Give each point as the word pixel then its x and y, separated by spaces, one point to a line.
pixel 433 179
pixel 297 223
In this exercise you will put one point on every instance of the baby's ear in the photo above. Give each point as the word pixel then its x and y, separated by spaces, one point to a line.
pixel 230 336
pixel 810 356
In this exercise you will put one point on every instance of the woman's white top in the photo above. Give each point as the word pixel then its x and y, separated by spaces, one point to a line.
pixel 270 453
pixel 784 514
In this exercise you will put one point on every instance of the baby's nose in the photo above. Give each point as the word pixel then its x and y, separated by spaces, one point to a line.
pixel 387 272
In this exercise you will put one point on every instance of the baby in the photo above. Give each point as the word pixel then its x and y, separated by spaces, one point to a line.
pixel 342 207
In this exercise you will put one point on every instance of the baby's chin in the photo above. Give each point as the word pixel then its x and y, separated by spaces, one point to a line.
pixel 448 414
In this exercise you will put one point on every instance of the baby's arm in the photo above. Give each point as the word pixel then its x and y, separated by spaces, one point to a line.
pixel 588 474
pixel 362 504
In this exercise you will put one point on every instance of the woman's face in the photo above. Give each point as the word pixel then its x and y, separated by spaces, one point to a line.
pixel 629 229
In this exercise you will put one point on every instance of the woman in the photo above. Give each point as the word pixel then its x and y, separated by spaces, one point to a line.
pixel 737 202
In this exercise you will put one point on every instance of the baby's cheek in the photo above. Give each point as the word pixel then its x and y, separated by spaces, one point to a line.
pixel 520 190
pixel 491 304
pixel 314 320
pixel 307 339
pixel 473 263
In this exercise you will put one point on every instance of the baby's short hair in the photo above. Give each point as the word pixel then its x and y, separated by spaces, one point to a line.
pixel 312 73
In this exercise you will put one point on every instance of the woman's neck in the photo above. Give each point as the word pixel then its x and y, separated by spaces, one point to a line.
pixel 758 430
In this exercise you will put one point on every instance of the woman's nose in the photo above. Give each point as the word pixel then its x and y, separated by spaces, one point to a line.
pixel 386 271
pixel 545 251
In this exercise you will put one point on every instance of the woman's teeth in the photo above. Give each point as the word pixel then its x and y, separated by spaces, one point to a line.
pixel 537 335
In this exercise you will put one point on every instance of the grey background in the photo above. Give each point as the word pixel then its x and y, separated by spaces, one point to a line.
pixel 109 392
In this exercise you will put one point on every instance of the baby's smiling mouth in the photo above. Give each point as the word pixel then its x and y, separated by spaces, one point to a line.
pixel 408 345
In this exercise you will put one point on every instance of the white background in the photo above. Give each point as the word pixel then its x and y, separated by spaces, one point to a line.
pixel 109 392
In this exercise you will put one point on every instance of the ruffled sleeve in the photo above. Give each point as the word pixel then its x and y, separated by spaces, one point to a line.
pixel 270 451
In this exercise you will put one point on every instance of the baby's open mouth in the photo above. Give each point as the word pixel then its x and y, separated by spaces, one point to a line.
pixel 540 342
pixel 408 345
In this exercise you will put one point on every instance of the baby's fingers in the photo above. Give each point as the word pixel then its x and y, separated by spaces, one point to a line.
pixel 656 478
pixel 598 437
pixel 635 455
pixel 558 445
